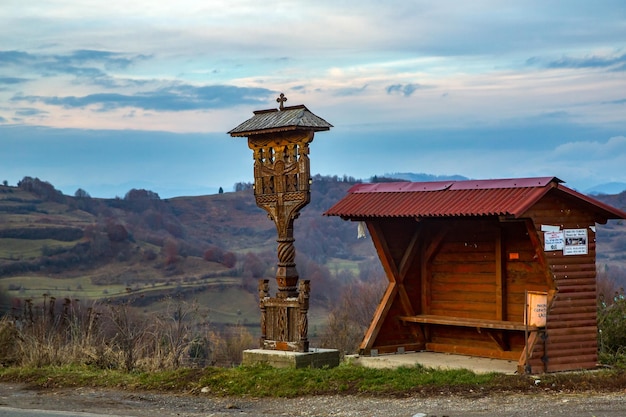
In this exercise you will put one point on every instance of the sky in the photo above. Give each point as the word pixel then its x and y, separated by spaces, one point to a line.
pixel 110 96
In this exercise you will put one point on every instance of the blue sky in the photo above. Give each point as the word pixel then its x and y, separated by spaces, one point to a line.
pixel 109 96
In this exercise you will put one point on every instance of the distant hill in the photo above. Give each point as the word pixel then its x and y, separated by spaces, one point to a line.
pixel 410 176
pixel 92 248
pixel 607 188
pixel 213 247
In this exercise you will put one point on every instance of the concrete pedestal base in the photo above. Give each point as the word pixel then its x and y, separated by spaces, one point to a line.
pixel 314 358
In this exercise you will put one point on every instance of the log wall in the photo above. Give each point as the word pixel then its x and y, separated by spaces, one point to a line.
pixel 571 331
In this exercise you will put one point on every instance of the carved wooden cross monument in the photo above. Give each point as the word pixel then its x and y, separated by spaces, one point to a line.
pixel 279 139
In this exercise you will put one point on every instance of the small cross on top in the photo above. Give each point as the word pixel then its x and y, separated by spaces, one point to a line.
pixel 281 100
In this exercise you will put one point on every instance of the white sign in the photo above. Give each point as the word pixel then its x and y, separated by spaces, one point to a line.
pixel 553 241
pixel 549 228
pixel 537 305
pixel 576 242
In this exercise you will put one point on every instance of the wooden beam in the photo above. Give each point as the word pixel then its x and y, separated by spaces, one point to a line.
pixel 473 351
pixel 379 317
pixel 380 243
pixel 409 255
pixel 407 260
pixel 468 322
pixel 539 253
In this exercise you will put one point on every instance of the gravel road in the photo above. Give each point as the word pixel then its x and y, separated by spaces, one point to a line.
pixel 150 404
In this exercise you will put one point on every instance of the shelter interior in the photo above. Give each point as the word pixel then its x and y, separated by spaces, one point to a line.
pixel 472 274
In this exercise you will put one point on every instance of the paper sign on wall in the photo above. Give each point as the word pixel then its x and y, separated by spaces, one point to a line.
pixel 576 242
pixel 553 240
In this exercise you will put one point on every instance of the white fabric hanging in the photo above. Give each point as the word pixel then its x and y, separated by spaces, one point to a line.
pixel 360 230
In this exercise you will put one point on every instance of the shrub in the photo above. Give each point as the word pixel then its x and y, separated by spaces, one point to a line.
pixel 612 327
pixel 9 338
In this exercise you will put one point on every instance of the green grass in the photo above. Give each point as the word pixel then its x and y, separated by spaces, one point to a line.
pixel 264 381
pixel 335 265
pixel 35 286
pixel 26 249
pixel 257 381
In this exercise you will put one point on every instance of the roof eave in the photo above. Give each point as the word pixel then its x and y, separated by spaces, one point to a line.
pixel 277 130
pixel 608 211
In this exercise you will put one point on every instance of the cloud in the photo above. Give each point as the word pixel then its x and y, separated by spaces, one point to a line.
pixel 614 146
pixel 80 63
pixel 175 98
pixel 620 101
pixel 29 112
pixel 13 80
pixel 346 92
pixel 614 63
pixel 404 89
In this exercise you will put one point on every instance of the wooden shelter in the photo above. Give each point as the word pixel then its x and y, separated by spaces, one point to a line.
pixel 492 268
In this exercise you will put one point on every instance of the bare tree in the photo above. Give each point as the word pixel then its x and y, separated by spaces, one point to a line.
pixel 349 320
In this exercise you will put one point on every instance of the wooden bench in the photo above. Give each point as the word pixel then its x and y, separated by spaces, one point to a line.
pixel 490 327
pixel 468 322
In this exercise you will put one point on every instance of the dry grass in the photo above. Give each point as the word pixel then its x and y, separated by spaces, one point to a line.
pixel 116 336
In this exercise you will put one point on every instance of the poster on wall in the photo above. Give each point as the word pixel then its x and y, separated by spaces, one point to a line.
pixel 576 242
pixel 553 240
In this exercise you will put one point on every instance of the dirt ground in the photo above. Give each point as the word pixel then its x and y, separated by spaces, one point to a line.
pixel 150 404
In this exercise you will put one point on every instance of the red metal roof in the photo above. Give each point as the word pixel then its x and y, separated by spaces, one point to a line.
pixel 502 197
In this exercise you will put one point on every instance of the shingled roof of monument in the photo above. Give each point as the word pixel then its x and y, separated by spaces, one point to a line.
pixel 274 120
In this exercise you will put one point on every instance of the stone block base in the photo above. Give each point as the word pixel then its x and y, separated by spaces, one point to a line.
pixel 314 358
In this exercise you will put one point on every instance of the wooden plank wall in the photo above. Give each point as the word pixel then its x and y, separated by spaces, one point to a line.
pixel 482 270
pixel 571 329
pixel 462 272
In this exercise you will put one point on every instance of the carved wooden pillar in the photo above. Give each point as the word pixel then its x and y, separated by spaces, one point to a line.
pixel 279 140
pixel 282 188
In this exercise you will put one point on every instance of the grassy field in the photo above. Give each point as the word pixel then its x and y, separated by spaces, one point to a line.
pixel 29 249
pixel 263 381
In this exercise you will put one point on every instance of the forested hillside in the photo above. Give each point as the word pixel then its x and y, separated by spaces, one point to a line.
pixel 212 247
pixel 85 247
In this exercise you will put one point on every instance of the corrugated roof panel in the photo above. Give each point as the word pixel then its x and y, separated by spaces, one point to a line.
pixel 509 197
pixel 401 186
pixel 504 183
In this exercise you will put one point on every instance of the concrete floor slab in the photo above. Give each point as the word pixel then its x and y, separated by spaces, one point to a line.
pixel 436 360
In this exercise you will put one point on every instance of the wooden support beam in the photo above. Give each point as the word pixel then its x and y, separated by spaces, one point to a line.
pixel 379 317
pixel 409 255
pixel 380 243
pixel 540 255
pixel 396 285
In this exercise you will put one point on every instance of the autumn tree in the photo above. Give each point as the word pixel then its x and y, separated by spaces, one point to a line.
pixel 170 251
pixel 253 266
pixel 43 189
